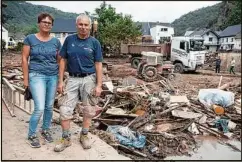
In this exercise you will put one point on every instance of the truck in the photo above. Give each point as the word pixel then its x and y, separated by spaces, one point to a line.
pixel 185 53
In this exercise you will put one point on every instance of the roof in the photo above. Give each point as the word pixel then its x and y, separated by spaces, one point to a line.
pixel 238 36
pixel 64 26
pixel 146 26
pixel 199 32
pixel 202 32
pixel 17 35
pixel 188 33
pixel 231 31
pixel 218 32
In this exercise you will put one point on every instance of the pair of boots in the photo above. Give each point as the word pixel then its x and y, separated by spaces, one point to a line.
pixel 66 142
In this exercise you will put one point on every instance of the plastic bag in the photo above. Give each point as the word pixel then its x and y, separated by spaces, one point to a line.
pixel 127 137
pixel 210 97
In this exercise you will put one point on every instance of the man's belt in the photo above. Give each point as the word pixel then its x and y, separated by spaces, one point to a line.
pixel 80 74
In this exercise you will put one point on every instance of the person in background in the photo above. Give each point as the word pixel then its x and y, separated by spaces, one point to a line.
pixel 41 76
pixel 232 65
pixel 83 56
pixel 218 63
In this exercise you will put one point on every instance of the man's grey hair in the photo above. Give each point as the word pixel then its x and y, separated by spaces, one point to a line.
pixel 81 16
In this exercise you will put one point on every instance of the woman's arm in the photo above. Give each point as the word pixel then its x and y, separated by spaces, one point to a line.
pixel 25 56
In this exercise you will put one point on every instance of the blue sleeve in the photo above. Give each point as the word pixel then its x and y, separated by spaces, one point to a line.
pixel 26 41
pixel 98 57
pixel 63 51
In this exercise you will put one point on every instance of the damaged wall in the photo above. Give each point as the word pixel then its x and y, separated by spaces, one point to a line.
pixel 226 59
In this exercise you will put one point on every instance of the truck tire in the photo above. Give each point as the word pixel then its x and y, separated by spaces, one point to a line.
pixel 178 68
pixel 135 62
pixel 150 73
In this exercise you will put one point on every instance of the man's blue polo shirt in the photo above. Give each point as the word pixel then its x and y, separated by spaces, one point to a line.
pixel 81 54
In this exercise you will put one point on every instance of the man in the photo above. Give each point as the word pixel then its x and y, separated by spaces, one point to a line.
pixel 218 63
pixel 84 64
pixel 232 64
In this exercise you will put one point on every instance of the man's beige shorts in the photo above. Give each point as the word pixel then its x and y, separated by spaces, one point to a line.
pixel 75 89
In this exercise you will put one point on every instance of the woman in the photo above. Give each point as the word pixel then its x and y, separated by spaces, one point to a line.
pixel 41 76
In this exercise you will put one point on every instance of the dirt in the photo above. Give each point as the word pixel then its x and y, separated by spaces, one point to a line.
pixel 187 84
pixel 14 132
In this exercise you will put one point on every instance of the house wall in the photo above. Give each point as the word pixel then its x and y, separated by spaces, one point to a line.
pixel 226 59
pixel 156 33
pixel 210 35
pixel 237 44
pixel 212 48
pixel 60 36
pixel 5 36
pixel 226 41
pixel 153 34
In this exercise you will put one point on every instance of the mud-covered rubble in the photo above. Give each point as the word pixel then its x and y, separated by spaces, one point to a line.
pixel 158 119
pixel 167 120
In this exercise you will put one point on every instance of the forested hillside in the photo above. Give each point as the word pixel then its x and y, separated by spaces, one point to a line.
pixel 216 17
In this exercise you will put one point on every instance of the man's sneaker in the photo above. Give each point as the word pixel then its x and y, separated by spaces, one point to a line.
pixel 64 143
pixel 85 141
pixel 47 136
pixel 33 141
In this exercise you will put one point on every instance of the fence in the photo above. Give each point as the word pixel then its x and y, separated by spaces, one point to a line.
pixel 13 97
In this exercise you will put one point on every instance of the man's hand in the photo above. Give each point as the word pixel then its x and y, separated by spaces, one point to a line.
pixel 98 91
pixel 60 88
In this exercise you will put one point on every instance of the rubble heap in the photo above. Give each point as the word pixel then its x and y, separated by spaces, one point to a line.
pixel 159 119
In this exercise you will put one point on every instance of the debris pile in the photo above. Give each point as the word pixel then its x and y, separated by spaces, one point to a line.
pixel 152 121
pixel 162 118
pixel 209 62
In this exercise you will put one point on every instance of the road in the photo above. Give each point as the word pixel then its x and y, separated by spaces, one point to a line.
pixel 14 146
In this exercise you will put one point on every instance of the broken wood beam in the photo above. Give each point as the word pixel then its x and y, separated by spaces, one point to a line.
pixel 230 84
pixel 221 77
pixel 129 149
pixel 110 120
pixel 170 109
pixel 211 130
pixel 104 107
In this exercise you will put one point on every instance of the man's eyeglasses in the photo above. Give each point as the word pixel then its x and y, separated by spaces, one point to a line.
pixel 46 23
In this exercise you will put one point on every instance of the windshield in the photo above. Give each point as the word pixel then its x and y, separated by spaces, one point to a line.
pixel 197 45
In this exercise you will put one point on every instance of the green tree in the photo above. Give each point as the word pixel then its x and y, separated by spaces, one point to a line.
pixel 234 15
pixel 31 30
pixel 114 28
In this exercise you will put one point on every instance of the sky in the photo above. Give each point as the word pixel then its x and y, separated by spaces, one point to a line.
pixel 152 11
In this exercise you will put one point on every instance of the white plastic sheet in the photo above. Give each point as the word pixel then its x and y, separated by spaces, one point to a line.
pixel 209 97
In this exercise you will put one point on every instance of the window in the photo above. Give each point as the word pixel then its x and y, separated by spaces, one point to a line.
pixel 227 39
pixel 210 39
pixel 222 40
pixel 232 39
pixel 182 45
pixel 163 29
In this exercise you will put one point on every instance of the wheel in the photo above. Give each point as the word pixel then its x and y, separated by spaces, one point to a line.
pixel 171 76
pixel 178 68
pixel 149 73
pixel 135 62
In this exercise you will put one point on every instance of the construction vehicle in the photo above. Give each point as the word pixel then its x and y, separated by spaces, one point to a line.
pixel 152 65
pixel 185 53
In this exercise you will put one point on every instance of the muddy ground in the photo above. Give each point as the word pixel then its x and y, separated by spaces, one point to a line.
pixel 187 84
